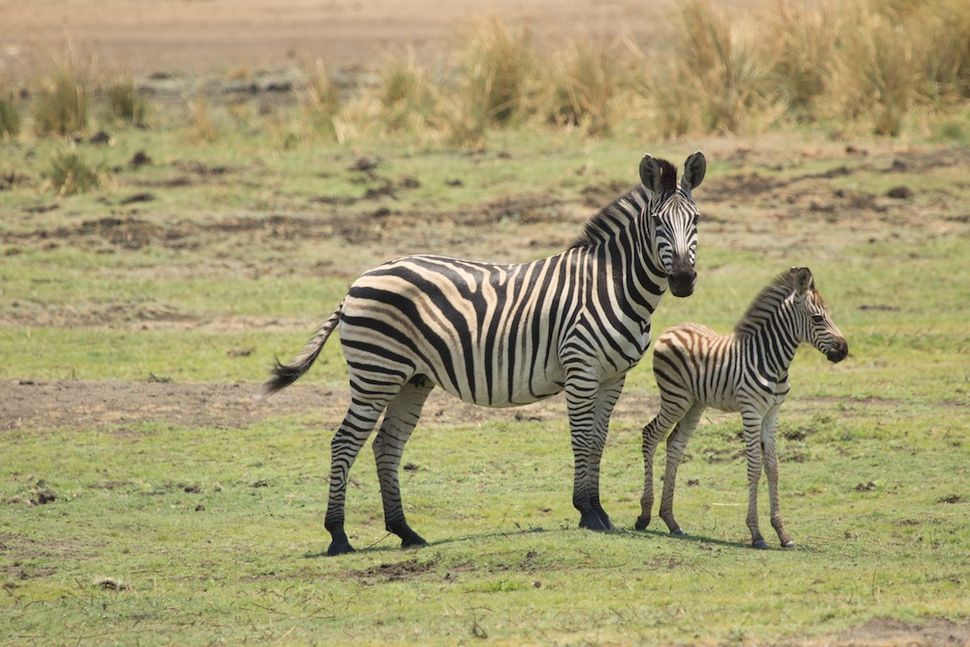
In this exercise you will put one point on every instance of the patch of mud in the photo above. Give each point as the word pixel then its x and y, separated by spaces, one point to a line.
pixel 524 208
pixel 40 405
pixel 28 313
pixel 394 571
pixel 597 196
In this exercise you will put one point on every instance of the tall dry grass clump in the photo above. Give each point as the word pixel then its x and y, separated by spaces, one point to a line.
pixel 125 102
pixel 406 94
pixel 798 42
pixel 497 71
pixel 9 117
pixel 320 99
pixel 61 103
pixel 713 78
pixel 586 79
pixel 200 118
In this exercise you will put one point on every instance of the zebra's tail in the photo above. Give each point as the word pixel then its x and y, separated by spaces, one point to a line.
pixel 286 374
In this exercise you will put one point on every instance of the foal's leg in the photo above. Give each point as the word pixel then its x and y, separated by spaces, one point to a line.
pixel 771 471
pixel 399 420
pixel 751 419
pixel 605 401
pixel 362 416
pixel 671 411
pixel 675 452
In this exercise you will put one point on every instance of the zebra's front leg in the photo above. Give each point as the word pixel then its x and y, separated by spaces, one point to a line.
pixel 751 419
pixel 581 401
pixel 676 444
pixel 357 425
pixel 605 401
pixel 771 471
pixel 653 432
pixel 402 415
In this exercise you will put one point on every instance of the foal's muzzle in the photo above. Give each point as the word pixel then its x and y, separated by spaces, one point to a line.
pixel 838 352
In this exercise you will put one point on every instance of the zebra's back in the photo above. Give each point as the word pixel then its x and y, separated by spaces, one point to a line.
pixel 487 333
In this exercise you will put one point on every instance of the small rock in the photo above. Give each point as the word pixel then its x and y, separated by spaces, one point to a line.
pixel 411 467
pixel 364 164
pixel 100 138
pixel 410 183
pixel 260 483
pixel 240 352
pixel 139 159
pixel 693 482
pixel 454 182
pixel 900 193
pixel 200 508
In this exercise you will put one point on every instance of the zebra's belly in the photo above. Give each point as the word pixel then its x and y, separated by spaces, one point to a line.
pixel 522 391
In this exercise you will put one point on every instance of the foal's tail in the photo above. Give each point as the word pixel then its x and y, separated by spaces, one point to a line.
pixel 286 374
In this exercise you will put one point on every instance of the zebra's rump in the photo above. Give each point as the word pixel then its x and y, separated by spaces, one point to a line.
pixel 485 332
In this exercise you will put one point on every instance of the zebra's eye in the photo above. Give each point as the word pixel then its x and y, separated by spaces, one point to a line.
pixel 818 319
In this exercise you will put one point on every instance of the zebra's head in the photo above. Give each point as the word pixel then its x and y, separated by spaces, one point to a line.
pixel 673 218
pixel 813 321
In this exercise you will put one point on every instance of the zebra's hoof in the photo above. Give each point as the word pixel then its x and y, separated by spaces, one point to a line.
pixel 605 520
pixel 592 522
pixel 788 544
pixel 339 548
pixel 413 541
pixel 760 544
pixel 677 531
pixel 642 523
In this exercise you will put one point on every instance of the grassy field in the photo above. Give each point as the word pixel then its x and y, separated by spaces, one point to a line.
pixel 150 273
pixel 188 527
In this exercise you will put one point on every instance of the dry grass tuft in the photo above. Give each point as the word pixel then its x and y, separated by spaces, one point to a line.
pixel 69 173
pixel 497 72
pixel 9 117
pixel 320 99
pixel 406 94
pixel 586 80
pixel 126 103
pixel 61 104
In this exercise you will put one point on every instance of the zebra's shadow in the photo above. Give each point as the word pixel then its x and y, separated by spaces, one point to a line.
pixel 389 543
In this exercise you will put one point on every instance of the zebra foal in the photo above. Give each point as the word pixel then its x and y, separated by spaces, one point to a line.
pixel 746 371
pixel 505 335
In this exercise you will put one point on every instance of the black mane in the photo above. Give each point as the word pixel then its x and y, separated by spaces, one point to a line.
pixel 620 213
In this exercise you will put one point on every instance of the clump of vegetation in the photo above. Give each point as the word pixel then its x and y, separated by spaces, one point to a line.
pixel 69 173
pixel 9 117
pixel 126 103
pixel 61 104
pixel 406 94
pixel 586 80
pixel 320 99
pixel 498 72
pixel 203 128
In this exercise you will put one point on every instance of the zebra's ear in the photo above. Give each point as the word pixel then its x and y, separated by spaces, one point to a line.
pixel 803 279
pixel 650 173
pixel 694 169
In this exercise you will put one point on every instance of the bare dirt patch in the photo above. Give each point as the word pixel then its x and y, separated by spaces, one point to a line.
pixel 885 632
pixel 38 406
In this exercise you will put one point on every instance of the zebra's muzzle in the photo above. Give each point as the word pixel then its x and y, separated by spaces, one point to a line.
pixel 682 281
pixel 839 352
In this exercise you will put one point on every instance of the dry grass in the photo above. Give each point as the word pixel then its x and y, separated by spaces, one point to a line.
pixel 497 72
pixel 320 99
pixel 202 126
pixel 406 94
pixel 70 173
pixel 61 104
pixel 126 103
pixel 9 117
pixel 585 81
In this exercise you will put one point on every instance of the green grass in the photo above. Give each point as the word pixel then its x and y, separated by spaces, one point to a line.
pixel 97 290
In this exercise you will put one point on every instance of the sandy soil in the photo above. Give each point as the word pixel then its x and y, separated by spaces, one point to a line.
pixel 191 36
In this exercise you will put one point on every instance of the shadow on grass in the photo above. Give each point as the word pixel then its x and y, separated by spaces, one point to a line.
pixel 623 532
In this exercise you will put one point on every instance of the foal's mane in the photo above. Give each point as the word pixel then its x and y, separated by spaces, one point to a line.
pixel 767 302
pixel 618 214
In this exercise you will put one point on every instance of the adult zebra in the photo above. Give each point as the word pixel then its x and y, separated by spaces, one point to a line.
pixel 505 335
pixel 748 372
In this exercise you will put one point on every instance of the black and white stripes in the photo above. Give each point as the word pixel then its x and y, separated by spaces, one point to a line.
pixel 505 335
pixel 746 371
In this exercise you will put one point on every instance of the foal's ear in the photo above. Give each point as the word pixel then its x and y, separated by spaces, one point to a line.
pixel 650 173
pixel 803 279
pixel 694 169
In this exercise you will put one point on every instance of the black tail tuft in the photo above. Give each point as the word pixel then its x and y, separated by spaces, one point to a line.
pixel 283 376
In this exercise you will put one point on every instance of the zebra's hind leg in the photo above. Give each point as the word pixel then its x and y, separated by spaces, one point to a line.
pixel 768 427
pixel 675 452
pixel 670 414
pixel 357 425
pixel 751 417
pixel 399 421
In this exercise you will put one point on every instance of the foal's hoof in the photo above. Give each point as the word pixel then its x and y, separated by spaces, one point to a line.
pixel 677 531
pixel 592 522
pixel 642 523
pixel 760 544
pixel 788 544
pixel 339 548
